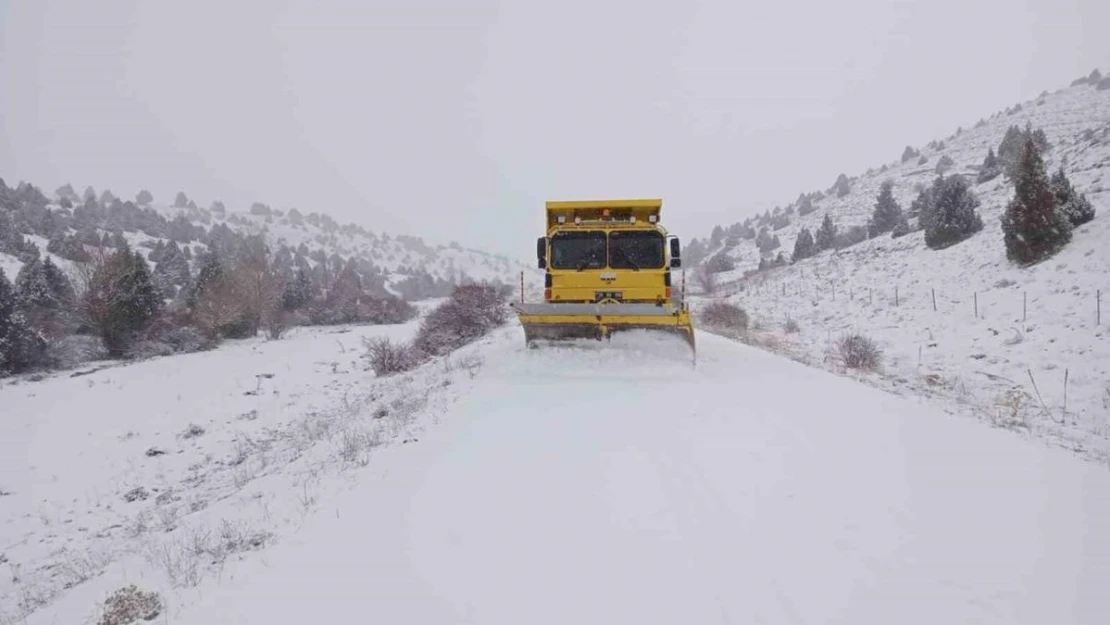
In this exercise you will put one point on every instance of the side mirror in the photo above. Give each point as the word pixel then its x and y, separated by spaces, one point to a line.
pixel 676 253
pixel 541 252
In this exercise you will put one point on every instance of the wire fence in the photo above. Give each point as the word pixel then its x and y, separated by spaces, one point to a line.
pixel 978 304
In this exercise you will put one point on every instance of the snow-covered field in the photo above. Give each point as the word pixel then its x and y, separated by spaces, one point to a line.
pixel 1023 349
pixel 607 483
pixel 186 460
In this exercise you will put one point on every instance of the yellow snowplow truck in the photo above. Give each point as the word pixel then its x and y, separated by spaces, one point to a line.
pixel 608 268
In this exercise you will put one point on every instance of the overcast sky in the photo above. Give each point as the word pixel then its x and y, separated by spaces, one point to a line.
pixel 456 120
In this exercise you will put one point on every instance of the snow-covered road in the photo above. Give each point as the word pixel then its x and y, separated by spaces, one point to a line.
pixel 620 485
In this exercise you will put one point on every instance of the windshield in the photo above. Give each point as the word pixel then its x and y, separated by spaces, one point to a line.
pixel 635 250
pixel 578 250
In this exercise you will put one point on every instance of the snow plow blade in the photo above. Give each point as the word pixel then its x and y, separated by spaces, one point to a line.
pixel 544 322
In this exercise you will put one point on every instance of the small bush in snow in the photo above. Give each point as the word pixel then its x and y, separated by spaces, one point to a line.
pixel 850 237
pixel 857 351
pixel 719 263
pixel 135 494
pixel 130 605
pixel 386 357
pixel 949 214
pixel 791 326
pixel 725 316
pixel 1075 206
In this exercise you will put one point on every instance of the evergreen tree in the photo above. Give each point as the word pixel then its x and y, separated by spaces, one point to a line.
pixel 211 270
pixel 122 300
pixel 991 168
pixel 717 236
pixel 922 205
pixel 298 292
pixel 826 235
pixel 20 347
pixel 61 288
pixel 1075 206
pixel 805 206
pixel 803 245
pixel 1033 227
pixel 952 214
pixel 31 288
pixel 172 268
pixel 944 164
pixel 46 297
pixel 66 192
pixel 887 212
pixel 1010 151
pixel 11 241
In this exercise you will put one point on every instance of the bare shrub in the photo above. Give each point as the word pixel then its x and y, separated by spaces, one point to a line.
pixel 386 357
pixel 129 605
pixel 725 316
pixel 472 312
pixel 354 445
pixel 706 279
pixel 857 351
pixel 135 494
pixel 790 326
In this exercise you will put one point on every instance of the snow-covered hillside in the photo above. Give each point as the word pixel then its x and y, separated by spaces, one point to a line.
pixel 604 483
pixel 1022 348
pixel 406 266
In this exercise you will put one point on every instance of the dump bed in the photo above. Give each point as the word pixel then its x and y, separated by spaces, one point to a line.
pixel 602 211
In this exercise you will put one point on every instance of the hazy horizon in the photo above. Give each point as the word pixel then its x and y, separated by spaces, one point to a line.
pixel 456 123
